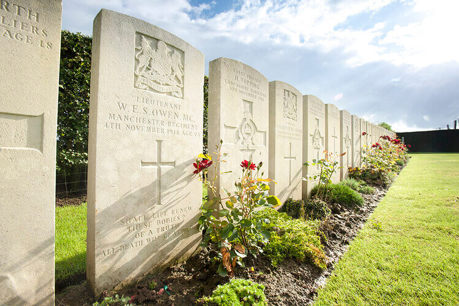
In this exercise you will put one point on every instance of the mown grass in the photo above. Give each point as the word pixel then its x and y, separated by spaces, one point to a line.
pixel 70 243
pixel 408 252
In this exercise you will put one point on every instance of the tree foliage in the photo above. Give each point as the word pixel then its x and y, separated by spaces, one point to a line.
pixel 387 126
pixel 73 107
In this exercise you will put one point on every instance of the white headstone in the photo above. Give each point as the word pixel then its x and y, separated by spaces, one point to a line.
pixel 314 138
pixel 356 141
pixel 333 135
pixel 285 140
pixel 145 131
pixel 30 35
pixel 345 143
pixel 239 116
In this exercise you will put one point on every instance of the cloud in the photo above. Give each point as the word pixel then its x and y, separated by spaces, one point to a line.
pixel 396 60
pixel 403 126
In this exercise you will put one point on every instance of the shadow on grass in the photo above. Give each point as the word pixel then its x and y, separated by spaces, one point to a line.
pixel 70 271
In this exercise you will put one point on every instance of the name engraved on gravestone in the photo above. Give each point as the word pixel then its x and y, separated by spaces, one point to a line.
pixel 159 67
pixel 244 83
pixel 21 131
pixel 290 105
pixel 23 24
pixel 151 116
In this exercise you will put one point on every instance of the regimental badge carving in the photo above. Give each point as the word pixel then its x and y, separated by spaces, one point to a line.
pixel 159 67
pixel 347 144
pixel 317 138
pixel 290 105
pixel 246 134
pixel 317 141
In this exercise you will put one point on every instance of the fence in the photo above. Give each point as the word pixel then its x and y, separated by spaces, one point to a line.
pixel 432 141
pixel 73 184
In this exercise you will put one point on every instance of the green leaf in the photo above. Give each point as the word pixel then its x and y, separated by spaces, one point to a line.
pixel 222 271
pixel 273 200
pixel 227 230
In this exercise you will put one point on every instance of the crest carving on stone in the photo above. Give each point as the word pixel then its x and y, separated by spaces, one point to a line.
pixel 317 138
pixel 290 105
pixel 159 67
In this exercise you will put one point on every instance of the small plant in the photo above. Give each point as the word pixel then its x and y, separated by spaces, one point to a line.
pixel 228 223
pixel 375 224
pixel 238 292
pixel 316 209
pixel 342 195
pixel 152 285
pixel 358 185
pixel 327 167
pixel 293 208
pixel 114 300
pixel 291 238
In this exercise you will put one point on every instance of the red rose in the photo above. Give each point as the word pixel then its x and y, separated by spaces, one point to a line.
pixel 248 165
pixel 364 133
pixel 203 164
pixel 409 146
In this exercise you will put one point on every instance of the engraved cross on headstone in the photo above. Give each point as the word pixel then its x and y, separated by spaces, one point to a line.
pixel 158 164
pixel 290 158
pixel 334 140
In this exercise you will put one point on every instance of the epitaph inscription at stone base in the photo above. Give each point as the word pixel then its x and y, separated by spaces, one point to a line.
pixel 239 116
pixel 345 143
pixel 356 141
pixel 285 140
pixel 333 135
pixel 313 138
pixel 145 131
pixel 30 34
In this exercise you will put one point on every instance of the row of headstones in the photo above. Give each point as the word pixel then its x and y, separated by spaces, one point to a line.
pixel 145 131
pixel 277 125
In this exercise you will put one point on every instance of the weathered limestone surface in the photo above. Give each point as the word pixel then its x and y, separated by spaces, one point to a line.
pixel 239 116
pixel 313 137
pixel 145 131
pixel 29 72
pixel 345 143
pixel 285 140
pixel 356 141
pixel 333 135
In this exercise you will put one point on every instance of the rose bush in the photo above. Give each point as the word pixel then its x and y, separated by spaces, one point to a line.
pixel 228 223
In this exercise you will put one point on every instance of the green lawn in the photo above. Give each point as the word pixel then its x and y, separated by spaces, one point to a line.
pixel 70 242
pixel 408 252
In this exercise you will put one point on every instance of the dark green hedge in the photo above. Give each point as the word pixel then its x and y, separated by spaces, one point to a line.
pixel 73 107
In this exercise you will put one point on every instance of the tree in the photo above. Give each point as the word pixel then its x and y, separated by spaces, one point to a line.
pixel 386 126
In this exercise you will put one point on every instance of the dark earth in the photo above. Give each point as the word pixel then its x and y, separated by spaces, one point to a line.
pixel 291 283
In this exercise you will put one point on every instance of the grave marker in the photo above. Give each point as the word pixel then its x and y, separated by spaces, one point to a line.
pixel 313 138
pixel 333 135
pixel 145 131
pixel 285 140
pixel 30 35
pixel 345 143
pixel 356 141
pixel 239 116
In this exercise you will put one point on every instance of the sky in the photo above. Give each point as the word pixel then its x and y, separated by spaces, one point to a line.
pixel 394 61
